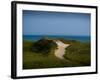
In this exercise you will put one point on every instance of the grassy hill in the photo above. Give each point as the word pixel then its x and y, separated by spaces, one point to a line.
pixel 79 52
pixel 40 54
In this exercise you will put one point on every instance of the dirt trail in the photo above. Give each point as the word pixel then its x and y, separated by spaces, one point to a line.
pixel 61 49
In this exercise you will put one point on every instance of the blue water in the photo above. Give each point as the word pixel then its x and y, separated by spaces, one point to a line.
pixel 37 37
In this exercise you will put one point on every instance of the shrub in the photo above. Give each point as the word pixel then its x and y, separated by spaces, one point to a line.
pixel 43 46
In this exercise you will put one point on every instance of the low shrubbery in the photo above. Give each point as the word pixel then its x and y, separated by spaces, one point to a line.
pixel 43 46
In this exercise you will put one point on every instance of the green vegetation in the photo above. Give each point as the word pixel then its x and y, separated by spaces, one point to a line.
pixel 33 60
pixel 44 46
pixel 40 54
pixel 79 52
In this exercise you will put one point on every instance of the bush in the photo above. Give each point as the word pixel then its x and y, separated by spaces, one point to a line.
pixel 43 46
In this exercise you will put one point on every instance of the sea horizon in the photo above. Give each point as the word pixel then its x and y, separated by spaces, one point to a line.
pixel 67 37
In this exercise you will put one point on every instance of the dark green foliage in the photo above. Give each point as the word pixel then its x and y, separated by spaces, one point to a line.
pixel 43 46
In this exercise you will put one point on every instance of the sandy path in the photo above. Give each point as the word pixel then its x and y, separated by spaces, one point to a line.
pixel 61 49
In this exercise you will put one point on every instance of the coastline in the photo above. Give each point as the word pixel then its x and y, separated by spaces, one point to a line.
pixel 68 37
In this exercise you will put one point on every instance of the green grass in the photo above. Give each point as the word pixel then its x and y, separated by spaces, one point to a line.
pixel 79 52
pixel 33 60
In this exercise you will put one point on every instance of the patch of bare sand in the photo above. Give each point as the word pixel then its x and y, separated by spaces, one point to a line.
pixel 61 49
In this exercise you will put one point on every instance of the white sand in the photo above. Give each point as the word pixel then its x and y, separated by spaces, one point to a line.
pixel 61 49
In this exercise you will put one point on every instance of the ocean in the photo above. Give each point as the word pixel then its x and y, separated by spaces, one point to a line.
pixel 37 37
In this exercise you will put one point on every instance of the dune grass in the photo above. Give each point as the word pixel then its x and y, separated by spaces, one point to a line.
pixel 34 60
pixel 79 52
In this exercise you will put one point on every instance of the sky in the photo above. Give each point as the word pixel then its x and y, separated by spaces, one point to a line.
pixel 55 23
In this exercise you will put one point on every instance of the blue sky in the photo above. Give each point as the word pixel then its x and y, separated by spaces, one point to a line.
pixel 55 23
